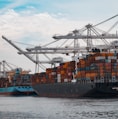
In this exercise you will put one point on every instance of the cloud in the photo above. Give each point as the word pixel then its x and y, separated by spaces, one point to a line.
pixel 31 29
pixel 35 28
pixel 18 26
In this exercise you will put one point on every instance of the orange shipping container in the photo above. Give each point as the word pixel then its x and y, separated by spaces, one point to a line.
pixel 81 74
pixel 49 70
pixel 62 72
pixel 114 73
pixel 65 65
pixel 107 54
pixel 91 74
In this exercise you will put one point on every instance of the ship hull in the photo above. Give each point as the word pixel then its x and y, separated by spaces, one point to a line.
pixel 107 89
pixel 17 90
pixel 77 90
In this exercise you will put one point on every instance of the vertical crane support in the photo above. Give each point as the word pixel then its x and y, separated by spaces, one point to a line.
pixel 4 72
pixel 0 66
pixel 89 39
pixel 75 40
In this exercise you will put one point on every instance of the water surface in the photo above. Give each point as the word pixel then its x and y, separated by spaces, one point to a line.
pixel 57 108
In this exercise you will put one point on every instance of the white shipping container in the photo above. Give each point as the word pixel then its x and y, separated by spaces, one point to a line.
pixel 65 80
pixel 53 73
pixel 74 81
pixel 99 57
pixel 58 78
pixel 112 57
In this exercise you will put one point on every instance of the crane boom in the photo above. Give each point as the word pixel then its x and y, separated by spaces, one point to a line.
pixel 21 51
pixel 26 54
pixel 103 36
pixel 106 20
pixel 69 50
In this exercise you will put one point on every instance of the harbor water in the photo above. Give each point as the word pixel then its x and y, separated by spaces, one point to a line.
pixel 57 108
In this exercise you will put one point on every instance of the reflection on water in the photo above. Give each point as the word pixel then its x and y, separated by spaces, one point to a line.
pixel 57 108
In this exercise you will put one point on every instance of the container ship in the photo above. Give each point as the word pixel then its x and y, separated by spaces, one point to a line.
pixel 16 82
pixel 92 72
pixel 96 77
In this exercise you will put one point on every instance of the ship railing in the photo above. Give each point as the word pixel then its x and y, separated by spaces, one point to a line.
pixel 105 80
pixel 82 81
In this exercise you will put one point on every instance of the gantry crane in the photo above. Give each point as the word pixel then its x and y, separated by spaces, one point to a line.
pixel 87 38
pixel 36 61
pixel 91 33
pixel 8 70
pixel 87 33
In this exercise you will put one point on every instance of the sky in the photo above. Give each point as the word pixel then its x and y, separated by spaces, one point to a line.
pixel 36 21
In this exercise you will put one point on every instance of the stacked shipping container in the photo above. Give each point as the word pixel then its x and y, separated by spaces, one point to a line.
pixel 95 65
pixel 62 73
pixel 102 65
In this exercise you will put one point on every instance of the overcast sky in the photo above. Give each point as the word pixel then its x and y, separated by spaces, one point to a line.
pixel 36 21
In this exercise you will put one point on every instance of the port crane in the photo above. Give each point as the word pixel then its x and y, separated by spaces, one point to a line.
pixel 89 28
pixel 87 34
pixel 76 48
pixel 8 69
pixel 36 61
pixel 4 68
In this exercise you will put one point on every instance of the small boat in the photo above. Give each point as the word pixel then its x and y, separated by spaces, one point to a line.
pixel 17 90
pixel 16 83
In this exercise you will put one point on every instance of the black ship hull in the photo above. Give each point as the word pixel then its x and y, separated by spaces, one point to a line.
pixel 78 89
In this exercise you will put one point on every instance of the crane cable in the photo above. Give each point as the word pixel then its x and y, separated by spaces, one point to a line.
pixel 106 20
pixel 112 27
